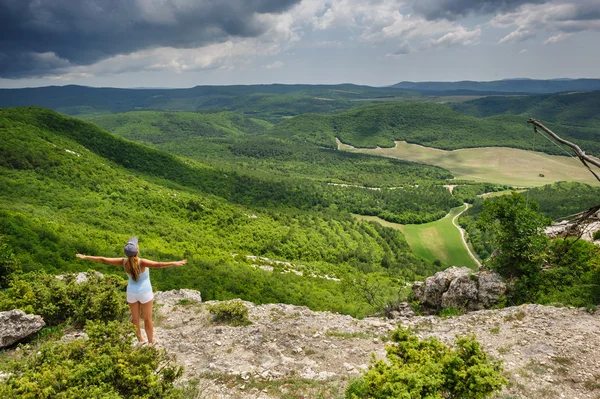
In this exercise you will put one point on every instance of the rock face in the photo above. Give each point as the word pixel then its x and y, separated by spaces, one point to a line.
pixel 171 298
pixel 461 288
pixel 16 325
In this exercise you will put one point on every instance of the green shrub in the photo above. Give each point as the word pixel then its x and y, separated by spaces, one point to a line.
pixel 596 235
pixel 104 366
pixel 230 312
pixel 429 369
pixel 451 312
pixel 8 263
pixel 63 300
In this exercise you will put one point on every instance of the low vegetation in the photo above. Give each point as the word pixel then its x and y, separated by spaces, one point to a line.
pixel 233 312
pixel 104 365
pixel 416 368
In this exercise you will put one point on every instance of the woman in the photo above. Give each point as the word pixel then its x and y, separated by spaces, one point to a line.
pixel 139 289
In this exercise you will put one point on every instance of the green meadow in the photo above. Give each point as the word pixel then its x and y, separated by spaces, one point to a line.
pixel 439 240
pixel 498 165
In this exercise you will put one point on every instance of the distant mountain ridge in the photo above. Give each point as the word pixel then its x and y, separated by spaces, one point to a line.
pixel 531 86
pixel 270 102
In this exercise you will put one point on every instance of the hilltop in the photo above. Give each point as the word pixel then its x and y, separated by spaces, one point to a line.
pixel 290 351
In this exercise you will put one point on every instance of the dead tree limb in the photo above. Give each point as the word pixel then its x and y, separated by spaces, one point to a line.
pixel 580 154
pixel 581 218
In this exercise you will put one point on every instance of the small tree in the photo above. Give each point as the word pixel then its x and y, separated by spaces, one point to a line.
pixel 420 369
pixel 8 263
pixel 517 232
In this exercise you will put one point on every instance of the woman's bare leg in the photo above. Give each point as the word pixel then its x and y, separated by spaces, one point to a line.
pixel 135 319
pixel 148 326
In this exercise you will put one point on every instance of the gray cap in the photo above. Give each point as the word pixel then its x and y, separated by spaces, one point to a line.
pixel 131 248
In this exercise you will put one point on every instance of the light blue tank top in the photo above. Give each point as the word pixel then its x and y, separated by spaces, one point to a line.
pixel 142 285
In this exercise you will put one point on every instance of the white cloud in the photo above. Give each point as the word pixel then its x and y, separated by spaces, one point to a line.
pixel 460 37
pixel 275 65
pixel 519 35
pixel 557 38
pixel 523 51
pixel 558 16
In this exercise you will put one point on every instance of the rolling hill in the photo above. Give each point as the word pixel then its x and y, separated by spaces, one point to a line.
pixel 504 86
pixel 436 125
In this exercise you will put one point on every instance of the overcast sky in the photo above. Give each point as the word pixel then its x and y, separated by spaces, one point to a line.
pixel 184 43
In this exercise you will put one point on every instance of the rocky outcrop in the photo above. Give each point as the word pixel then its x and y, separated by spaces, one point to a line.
pixel 547 352
pixel 568 229
pixel 171 298
pixel 16 325
pixel 461 288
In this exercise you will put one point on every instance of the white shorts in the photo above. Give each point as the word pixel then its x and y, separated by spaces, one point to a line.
pixel 141 298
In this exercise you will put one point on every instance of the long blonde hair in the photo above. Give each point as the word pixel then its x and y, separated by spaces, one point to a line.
pixel 132 267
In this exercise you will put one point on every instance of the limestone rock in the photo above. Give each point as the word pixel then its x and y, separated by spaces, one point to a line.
pixel 461 293
pixel 461 288
pixel 16 325
pixel 172 298
pixel 491 289
pixel 80 277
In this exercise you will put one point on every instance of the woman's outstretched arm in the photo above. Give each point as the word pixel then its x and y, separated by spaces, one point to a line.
pixel 101 259
pixel 152 264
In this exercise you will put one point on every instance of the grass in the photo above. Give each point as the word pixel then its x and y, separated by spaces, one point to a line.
pixel 498 165
pixel 439 240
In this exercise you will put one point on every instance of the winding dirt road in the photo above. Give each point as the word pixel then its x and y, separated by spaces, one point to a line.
pixel 462 235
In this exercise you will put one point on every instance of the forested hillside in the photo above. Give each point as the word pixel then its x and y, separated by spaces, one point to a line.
pixel 569 109
pixel 231 142
pixel 70 187
pixel 440 126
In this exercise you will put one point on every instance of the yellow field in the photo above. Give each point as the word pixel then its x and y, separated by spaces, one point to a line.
pixel 490 164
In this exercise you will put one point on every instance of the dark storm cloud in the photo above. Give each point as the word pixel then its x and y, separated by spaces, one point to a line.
pixel 38 37
pixel 453 9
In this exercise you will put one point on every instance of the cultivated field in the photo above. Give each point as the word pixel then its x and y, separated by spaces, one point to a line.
pixel 436 240
pixel 499 165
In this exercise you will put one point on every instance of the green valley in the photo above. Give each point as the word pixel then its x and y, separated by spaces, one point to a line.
pixel 438 241
pixel 70 187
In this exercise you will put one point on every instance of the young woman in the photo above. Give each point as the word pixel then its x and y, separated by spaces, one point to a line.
pixel 139 289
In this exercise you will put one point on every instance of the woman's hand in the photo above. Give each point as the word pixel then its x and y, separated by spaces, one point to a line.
pixel 80 256
pixel 180 262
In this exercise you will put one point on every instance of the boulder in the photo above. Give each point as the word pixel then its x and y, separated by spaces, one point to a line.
pixel 172 298
pixel 461 292
pixel 16 325
pixel 461 288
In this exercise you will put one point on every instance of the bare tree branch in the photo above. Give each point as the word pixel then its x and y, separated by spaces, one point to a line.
pixel 581 218
pixel 584 158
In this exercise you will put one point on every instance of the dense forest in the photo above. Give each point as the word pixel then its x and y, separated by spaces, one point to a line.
pixel 70 187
